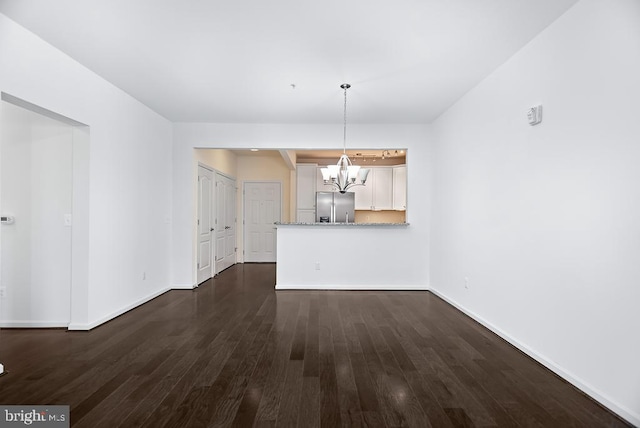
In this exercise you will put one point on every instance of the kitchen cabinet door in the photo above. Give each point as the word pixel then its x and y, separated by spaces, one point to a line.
pixel 400 188
pixel 383 188
pixel 377 194
pixel 306 216
pixel 364 194
pixel 306 186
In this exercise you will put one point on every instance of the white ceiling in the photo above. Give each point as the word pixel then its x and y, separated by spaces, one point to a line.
pixel 235 61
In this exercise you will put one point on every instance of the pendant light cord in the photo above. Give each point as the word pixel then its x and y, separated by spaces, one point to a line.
pixel 344 141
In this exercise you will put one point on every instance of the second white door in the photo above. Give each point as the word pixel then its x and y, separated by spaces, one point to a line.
pixel 205 224
pixel 262 208
pixel 225 222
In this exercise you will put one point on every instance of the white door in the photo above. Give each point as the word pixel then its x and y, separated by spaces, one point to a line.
pixel 205 224
pixel 262 207
pixel 225 223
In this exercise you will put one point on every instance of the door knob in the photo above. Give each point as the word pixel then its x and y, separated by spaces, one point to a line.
pixel 211 230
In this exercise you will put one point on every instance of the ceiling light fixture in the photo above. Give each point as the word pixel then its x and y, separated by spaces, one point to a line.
pixel 388 154
pixel 344 174
pixel 363 157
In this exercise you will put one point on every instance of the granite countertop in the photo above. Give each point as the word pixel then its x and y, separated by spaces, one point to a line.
pixel 339 224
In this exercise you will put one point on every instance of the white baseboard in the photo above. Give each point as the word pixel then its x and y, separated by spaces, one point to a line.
pixel 34 324
pixel 594 393
pixel 184 286
pixel 112 315
pixel 353 287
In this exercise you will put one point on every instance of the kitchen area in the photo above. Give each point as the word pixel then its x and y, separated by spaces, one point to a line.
pixel 338 229
pixel 382 199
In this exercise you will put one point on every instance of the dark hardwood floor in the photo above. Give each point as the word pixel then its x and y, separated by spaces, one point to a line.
pixel 235 352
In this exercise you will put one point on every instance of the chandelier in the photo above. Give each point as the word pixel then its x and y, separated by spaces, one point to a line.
pixel 344 174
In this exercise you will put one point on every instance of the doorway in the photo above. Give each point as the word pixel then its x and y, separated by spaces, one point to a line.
pixel 44 205
pixel 262 208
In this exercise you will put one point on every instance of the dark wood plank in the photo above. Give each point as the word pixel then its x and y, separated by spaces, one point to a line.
pixel 274 382
pixel 312 340
pixel 309 412
pixel 290 401
pixel 329 398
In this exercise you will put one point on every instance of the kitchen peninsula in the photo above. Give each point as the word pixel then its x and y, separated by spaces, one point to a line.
pixel 341 256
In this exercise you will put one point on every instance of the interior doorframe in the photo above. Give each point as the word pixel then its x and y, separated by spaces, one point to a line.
pixel 244 209
pixel 79 292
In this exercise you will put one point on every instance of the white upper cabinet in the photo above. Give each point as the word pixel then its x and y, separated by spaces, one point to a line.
pixel 306 186
pixel 400 188
pixel 377 193
pixel 383 189
pixel 364 194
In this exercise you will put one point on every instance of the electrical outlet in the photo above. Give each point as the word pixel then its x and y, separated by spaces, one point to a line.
pixel 466 282
pixel 144 276
pixel 3 291
pixel 317 265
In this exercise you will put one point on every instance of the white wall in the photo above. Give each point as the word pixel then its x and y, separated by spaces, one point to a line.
pixel 129 213
pixel 415 138
pixel 349 258
pixel 36 182
pixel 223 161
pixel 543 220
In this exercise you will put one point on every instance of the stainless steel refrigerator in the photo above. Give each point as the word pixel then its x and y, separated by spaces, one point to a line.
pixel 335 207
